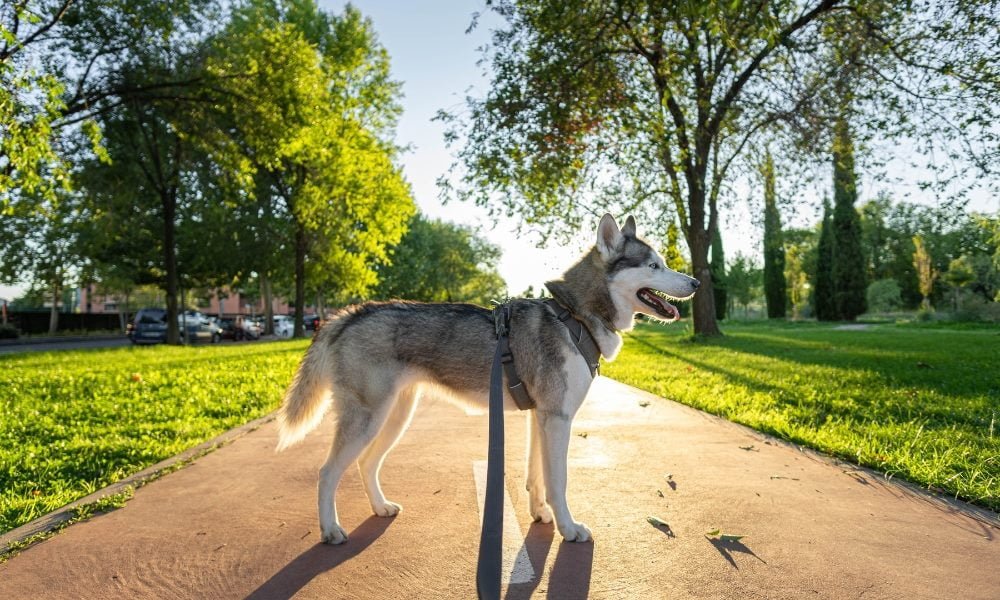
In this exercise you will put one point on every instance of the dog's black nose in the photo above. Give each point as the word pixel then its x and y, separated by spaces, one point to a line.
pixel 695 283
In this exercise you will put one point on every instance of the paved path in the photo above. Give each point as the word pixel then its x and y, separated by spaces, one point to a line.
pixel 241 522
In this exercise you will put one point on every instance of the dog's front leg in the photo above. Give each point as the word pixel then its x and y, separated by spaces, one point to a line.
pixel 555 432
pixel 534 482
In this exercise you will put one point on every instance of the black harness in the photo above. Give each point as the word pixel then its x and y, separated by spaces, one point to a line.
pixel 582 339
pixel 488 568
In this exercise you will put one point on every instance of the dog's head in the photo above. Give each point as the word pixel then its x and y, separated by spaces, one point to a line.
pixel 638 278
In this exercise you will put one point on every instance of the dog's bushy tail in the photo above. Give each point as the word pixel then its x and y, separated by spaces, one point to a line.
pixel 308 396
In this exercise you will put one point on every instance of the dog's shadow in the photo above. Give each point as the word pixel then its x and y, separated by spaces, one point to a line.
pixel 317 560
pixel 571 571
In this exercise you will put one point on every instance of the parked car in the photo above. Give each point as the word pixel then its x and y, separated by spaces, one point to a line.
pixel 150 327
pixel 283 326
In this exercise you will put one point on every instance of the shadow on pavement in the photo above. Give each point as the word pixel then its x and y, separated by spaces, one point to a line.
pixel 571 571
pixel 726 549
pixel 537 543
pixel 319 559
pixel 570 576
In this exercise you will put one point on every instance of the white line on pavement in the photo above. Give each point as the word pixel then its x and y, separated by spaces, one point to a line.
pixel 516 564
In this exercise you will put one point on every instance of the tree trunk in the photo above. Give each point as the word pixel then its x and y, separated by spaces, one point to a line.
pixel 300 279
pixel 320 306
pixel 54 313
pixel 169 200
pixel 265 292
pixel 703 303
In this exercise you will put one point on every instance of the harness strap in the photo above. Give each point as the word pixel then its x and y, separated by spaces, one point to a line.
pixel 582 338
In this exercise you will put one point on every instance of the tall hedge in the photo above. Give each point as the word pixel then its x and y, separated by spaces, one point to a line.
pixel 718 270
pixel 823 291
pixel 850 281
pixel 775 287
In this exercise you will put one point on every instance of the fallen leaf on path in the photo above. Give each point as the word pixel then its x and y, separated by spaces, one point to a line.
pixel 783 477
pixel 725 537
pixel 644 403
pixel 659 493
pixel 749 448
pixel 657 522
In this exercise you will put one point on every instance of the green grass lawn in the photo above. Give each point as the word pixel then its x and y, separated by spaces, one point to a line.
pixel 915 402
pixel 72 422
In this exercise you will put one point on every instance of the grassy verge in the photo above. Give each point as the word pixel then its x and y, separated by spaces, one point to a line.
pixel 916 402
pixel 74 422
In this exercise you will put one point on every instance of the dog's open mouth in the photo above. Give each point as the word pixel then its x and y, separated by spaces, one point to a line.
pixel 655 299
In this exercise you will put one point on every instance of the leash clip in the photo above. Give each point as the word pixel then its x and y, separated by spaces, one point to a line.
pixel 501 318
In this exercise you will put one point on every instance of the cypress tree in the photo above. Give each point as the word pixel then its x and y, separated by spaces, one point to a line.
pixel 675 260
pixel 823 281
pixel 718 270
pixel 848 259
pixel 775 288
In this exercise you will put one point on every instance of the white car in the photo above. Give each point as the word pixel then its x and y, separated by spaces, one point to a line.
pixel 283 326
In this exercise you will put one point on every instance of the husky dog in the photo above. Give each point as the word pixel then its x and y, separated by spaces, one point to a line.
pixel 372 361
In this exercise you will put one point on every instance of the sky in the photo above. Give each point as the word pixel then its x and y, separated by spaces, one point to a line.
pixel 435 60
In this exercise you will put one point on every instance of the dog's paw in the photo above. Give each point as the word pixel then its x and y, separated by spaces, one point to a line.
pixel 541 512
pixel 576 532
pixel 335 536
pixel 387 509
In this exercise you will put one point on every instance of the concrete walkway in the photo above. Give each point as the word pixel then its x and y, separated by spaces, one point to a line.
pixel 241 521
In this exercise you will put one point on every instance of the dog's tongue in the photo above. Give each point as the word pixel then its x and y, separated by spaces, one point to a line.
pixel 666 310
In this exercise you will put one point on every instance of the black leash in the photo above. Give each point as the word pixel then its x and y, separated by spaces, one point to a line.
pixel 490 565
pixel 488 570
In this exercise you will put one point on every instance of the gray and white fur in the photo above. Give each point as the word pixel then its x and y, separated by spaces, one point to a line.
pixel 371 363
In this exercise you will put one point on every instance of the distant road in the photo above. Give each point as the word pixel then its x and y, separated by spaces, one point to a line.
pixel 79 343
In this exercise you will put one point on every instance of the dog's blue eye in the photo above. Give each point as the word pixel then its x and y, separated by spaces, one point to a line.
pixel 654 266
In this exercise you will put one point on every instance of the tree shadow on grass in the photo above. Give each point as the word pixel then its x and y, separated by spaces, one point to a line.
pixel 815 413
pixel 317 560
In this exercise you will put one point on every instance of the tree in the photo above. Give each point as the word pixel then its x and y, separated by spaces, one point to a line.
pixel 960 273
pixel 310 107
pixel 43 247
pixel 30 101
pixel 800 263
pixel 744 281
pixel 823 290
pixel 883 295
pixel 437 261
pixel 848 268
pixel 775 288
pixel 675 259
pixel 719 276
pixel 656 102
pixel 926 273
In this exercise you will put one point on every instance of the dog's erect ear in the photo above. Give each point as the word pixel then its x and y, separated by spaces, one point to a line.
pixel 609 237
pixel 629 228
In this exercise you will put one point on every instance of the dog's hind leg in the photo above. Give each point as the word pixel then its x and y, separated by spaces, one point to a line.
pixel 534 480
pixel 356 426
pixel 371 459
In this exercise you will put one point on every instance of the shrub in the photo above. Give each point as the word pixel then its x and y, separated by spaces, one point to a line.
pixel 8 332
pixel 884 296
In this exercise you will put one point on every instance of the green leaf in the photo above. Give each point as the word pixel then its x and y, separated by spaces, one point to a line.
pixel 657 522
